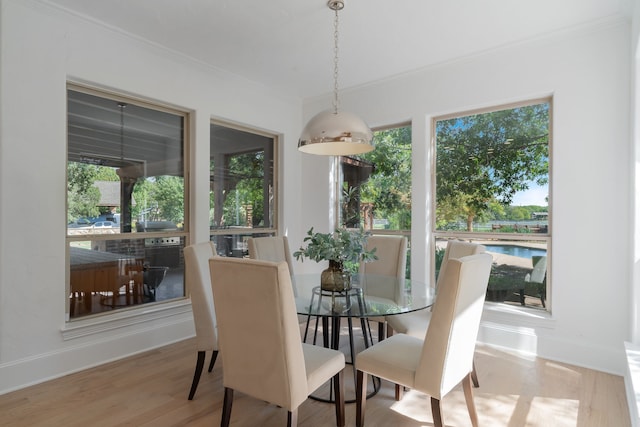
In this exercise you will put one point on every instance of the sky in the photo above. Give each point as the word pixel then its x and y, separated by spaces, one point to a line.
pixel 535 195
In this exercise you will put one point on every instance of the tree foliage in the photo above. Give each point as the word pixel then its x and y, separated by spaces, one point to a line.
pixel 82 196
pixel 389 187
pixel 244 198
pixel 486 158
pixel 157 198
pixel 168 193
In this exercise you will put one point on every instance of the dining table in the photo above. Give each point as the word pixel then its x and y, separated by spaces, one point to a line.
pixel 94 271
pixel 368 297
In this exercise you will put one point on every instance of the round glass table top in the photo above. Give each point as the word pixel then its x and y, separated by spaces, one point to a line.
pixel 369 296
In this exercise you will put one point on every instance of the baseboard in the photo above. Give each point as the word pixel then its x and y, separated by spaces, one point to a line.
pixel 545 343
pixel 632 382
pixel 92 351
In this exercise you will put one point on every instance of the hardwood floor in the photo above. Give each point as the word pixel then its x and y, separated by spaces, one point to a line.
pixel 151 389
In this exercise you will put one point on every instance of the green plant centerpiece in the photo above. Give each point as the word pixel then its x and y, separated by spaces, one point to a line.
pixel 344 249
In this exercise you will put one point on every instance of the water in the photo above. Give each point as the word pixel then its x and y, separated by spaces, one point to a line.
pixel 519 251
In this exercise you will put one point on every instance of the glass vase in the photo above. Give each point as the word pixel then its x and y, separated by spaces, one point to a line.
pixel 334 278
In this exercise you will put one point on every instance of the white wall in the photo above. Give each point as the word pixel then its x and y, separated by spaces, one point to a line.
pixel 587 73
pixel 41 49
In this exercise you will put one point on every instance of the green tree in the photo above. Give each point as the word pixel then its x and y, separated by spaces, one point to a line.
pixel 244 179
pixel 106 174
pixel 389 187
pixel 489 157
pixel 143 200
pixel 168 193
pixel 82 196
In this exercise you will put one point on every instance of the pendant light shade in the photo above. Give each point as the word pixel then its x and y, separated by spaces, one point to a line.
pixel 334 133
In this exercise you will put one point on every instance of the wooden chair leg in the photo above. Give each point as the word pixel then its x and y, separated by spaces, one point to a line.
pixel 399 392
pixel 196 374
pixel 214 356
pixel 226 407
pixel 468 397
pixel 292 418
pixel 474 375
pixel 361 397
pixel 437 413
pixel 338 391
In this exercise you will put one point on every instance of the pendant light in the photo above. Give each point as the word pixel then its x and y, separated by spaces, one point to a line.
pixel 334 133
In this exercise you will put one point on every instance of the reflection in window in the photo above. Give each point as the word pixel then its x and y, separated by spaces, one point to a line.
pixel 125 175
pixel 242 194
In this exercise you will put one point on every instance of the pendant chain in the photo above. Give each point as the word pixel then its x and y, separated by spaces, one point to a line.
pixel 335 63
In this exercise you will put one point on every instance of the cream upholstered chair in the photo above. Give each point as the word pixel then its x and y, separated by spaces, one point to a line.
pixel 436 364
pixel 274 249
pixel 392 261
pixel 262 353
pixel 271 248
pixel 417 322
pixel 196 261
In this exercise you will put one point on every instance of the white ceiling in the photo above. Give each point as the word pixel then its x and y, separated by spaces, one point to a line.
pixel 288 44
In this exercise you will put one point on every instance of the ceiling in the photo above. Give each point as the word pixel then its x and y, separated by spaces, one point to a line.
pixel 288 44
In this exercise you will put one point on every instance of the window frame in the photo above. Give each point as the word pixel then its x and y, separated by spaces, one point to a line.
pixel 377 231
pixel 183 234
pixel 273 230
pixel 545 238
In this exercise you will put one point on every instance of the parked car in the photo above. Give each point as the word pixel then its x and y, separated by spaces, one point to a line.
pixel 80 222
pixel 104 224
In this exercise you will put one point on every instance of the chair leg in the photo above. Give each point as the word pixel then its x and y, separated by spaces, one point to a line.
pixel 292 418
pixel 361 397
pixel 399 392
pixel 468 397
pixel 474 375
pixel 381 331
pixel 437 413
pixel 338 390
pixel 214 355
pixel 196 374
pixel 226 407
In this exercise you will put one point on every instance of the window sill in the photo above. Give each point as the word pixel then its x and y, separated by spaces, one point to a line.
pixel 127 318
pixel 517 316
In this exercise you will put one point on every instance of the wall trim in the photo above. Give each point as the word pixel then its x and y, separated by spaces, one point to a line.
pixel 543 341
pixel 96 343
pixel 126 318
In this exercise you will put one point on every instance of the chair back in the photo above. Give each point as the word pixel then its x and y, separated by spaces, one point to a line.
pixel 450 341
pixel 258 330
pixel 198 280
pixel 457 249
pixel 271 248
pixel 392 256
pixel 539 271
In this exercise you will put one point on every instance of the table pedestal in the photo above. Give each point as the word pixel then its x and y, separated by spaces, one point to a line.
pixel 341 304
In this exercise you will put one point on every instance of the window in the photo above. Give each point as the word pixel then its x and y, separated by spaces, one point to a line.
pixel 243 192
pixel 376 186
pixel 492 187
pixel 125 202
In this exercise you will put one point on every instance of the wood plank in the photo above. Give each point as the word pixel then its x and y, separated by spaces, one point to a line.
pixel 151 389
